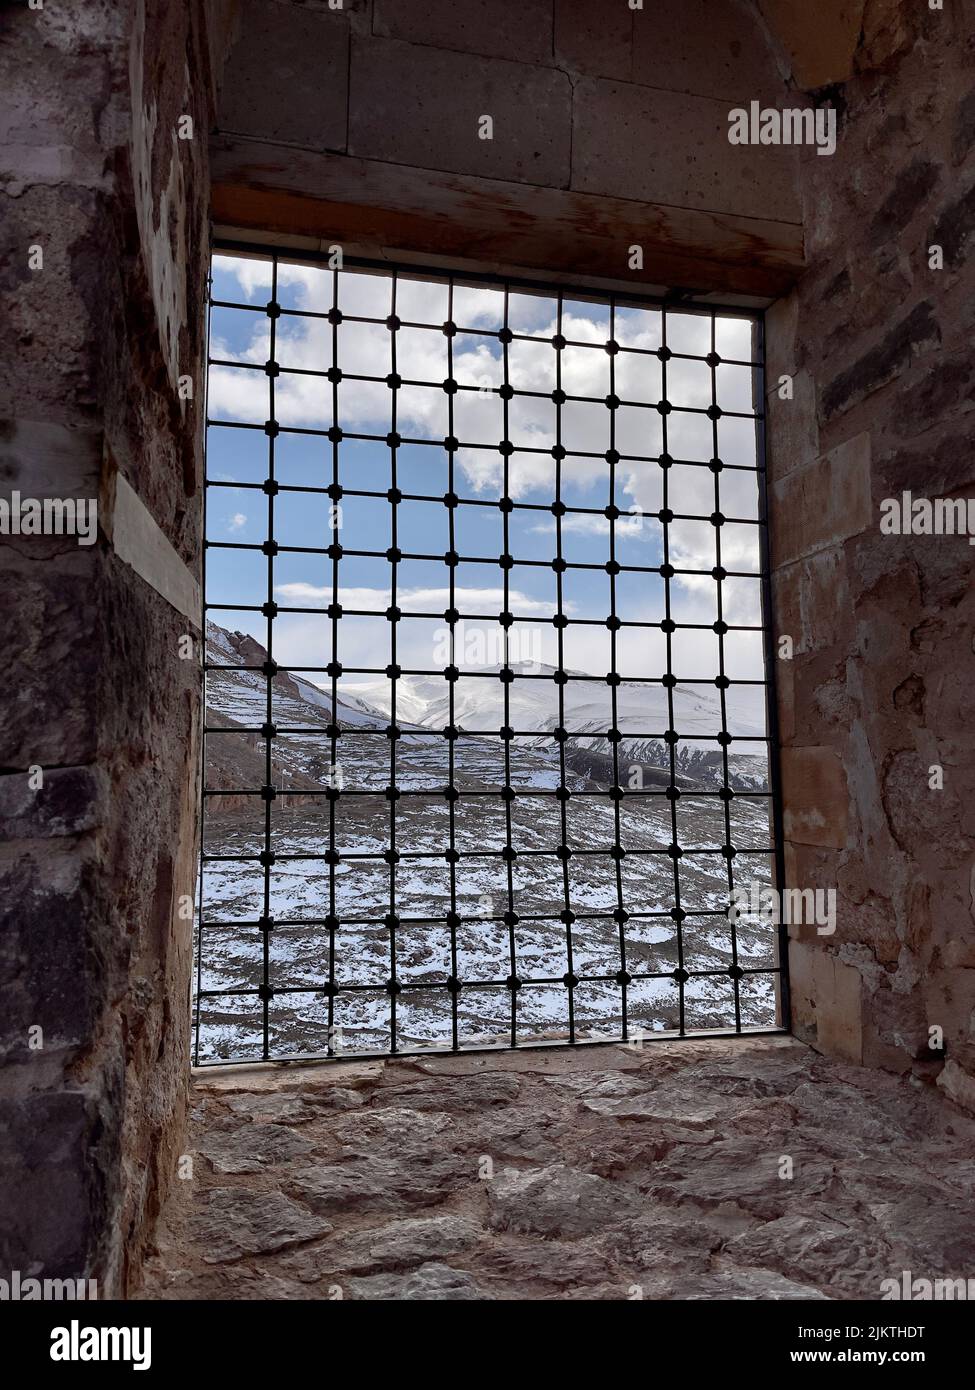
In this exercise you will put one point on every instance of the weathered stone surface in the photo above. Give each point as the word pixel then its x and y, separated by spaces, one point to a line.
pixel 396 1245
pixel 820 43
pixel 958 1084
pixel 479 1092
pixel 94 171
pixel 927 1236
pixel 422 106
pixel 822 503
pixel 434 1282
pixel 235 1221
pixel 735 63
pixel 615 123
pixel 815 1249
pixel 413 1130
pixel 286 76
pixel 827 1000
pixel 596 1204
pixel 816 797
pixel 559 1062
pixel 739 1284
pixel 378 1182
pixel 599 44
pixel 665 1238
pixel 311 1081
pixel 276 1106
pixel 251 1149
pixel 70 802
pixel 916 331
pixel 558 1201
pixel 734 1171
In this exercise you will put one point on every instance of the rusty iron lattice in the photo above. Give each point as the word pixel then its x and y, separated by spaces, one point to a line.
pixel 331 983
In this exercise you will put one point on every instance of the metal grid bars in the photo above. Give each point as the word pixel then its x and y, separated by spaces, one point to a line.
pixel 489 738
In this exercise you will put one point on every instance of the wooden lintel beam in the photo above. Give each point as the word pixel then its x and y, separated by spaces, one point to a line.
pixel 259 187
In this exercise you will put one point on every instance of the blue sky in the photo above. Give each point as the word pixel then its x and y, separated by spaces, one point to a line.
pixel 240 456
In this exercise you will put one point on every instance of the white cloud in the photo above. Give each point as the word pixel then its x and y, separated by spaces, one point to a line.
pixel 626 527
pixel 478 417
pixel 418 600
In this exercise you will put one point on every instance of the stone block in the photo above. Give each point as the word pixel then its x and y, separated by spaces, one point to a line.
pixel 826 1001
pixel 785 692
pixel 825 614
pixel 40 458
pixel 595 40
pixel 54 976
pixel 53 629
pixel 311 1080
pixel 55 1204
pixel 714 48
pixel 916 333
pixel 492 28
pixel 422 106
pixel 70 801
pixel 667 147
pixel 815 798
pixel 793 428
pixel 286 77
pixel 781 336
pixel 823 503
pixel 958 1084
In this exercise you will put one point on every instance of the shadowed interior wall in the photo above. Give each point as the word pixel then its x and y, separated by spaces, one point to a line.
pixel 878 693
pixel 95 957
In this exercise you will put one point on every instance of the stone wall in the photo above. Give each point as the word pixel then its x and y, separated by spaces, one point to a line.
pixel 98 743
pixel 608 129
pixel 877 696
pixel 580 94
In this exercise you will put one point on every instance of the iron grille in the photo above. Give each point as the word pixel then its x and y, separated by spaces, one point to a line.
pixel 488 743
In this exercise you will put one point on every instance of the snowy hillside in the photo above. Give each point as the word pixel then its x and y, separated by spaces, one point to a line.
pixel 586 712
pixel 536 887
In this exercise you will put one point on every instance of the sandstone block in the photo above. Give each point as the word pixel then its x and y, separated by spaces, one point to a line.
pixel 286 77
pixel 815 798
pixel 422 106
pixel 822 503
pixel 635 142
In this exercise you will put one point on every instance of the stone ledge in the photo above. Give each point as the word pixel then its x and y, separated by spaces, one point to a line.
pixel 269 1076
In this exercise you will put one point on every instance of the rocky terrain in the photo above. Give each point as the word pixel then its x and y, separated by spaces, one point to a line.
pixel 743 1169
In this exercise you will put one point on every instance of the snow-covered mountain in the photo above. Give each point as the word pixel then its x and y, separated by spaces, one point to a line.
pixel 242 695
pixel 586 712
